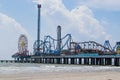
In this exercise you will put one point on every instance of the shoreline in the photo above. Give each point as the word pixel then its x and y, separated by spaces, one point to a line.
pixel 109 75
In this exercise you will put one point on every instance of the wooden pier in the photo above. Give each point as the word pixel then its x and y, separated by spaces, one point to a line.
pixel 104 60
pixel 7 61
pixel 78 60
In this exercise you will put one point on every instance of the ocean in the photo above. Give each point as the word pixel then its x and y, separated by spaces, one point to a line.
pixel 9 68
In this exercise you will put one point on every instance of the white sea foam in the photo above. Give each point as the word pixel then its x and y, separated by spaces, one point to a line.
pixel 32 68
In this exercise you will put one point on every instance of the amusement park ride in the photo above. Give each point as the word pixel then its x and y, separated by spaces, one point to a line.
pixel 22 46
pixel 63 46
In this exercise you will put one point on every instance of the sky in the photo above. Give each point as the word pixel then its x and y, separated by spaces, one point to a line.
pixel 85 20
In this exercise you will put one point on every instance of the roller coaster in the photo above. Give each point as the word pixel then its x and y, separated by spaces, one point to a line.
pixel 50 47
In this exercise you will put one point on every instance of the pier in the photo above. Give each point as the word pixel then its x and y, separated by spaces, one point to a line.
pixel 7 61
pixel 79 60
pixel 76 60
pixel 64 50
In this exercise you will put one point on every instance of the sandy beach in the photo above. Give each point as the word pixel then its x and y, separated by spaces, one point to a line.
pixel 63 76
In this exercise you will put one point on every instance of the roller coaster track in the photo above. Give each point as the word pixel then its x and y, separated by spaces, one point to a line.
pixel 92 45
pixel 49 44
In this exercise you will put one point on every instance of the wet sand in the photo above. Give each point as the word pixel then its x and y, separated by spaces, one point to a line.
pixel 110 75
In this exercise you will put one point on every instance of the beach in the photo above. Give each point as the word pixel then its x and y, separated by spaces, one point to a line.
pixel 63 76
pixel 31 71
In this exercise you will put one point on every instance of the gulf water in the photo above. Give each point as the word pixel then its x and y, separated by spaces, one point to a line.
pixel 9 68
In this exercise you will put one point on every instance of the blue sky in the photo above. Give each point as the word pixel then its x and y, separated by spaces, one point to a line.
pixel 85 19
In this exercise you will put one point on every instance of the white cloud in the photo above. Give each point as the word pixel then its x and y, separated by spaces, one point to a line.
pixel 80 21
pixel 49 7
pixel 10 31
pixel 104 4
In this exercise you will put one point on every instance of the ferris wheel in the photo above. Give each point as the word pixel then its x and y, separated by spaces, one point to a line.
pixel 22 44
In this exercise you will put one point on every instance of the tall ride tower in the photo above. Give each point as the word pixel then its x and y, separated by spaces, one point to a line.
pixel 38 31
pixel 59 38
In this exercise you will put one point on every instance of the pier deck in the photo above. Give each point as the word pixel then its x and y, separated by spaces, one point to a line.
pixel 79 60
pixel 7 61
pixel 92 59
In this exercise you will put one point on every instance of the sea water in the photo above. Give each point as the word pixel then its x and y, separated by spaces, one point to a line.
pixel 8 68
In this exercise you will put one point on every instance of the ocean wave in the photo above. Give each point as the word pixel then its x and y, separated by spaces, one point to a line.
pixel 32 68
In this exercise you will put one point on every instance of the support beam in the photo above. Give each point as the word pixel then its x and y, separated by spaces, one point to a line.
pixel 113 62
pixel 69 60
pixel 62 60
pixel 55 60
pixel 95 61
pixel 77 60
pixel 89 61
pixel 119 61
pixel 82 61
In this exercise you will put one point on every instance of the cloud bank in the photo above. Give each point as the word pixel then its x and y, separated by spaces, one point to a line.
pixel 10 31
pixel 80 21
pixel 103 4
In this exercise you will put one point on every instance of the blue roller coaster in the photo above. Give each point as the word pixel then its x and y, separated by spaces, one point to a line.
pixel 51 46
